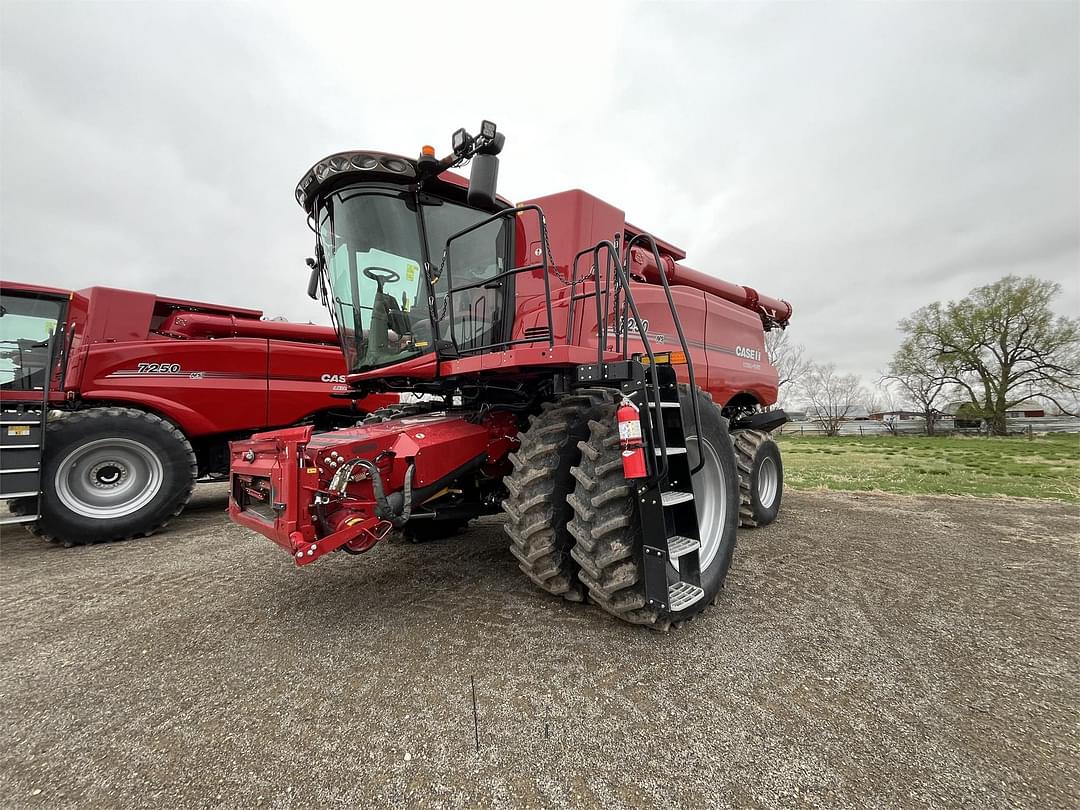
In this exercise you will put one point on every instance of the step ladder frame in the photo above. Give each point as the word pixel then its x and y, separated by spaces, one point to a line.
pixel 16 412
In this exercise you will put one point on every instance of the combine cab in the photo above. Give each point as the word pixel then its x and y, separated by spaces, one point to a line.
pixel 574 374
pixel 114 402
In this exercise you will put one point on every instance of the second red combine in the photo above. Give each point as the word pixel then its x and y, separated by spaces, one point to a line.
pixel 567 369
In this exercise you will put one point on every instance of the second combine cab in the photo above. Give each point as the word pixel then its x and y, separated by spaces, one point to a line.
pixel 565 368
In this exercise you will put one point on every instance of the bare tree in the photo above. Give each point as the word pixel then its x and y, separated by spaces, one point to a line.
pixel 832 395
pixel 789 359
pixel 882 399
pixel 916 372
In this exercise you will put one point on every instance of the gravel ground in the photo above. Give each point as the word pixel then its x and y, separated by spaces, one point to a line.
pixel 868 650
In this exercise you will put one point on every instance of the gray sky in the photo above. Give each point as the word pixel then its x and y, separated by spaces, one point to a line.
pixel 858 160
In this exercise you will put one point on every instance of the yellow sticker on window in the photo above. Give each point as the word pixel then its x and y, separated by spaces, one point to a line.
pixel 410 272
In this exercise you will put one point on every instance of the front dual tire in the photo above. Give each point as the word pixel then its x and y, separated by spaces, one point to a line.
pixel 572 518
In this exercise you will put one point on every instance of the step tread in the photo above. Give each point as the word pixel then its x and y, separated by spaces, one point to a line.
pixel 6 520
pixel 673 451
pixel 674 497
pixel 7 496
pixel 682 595
pixel 679 545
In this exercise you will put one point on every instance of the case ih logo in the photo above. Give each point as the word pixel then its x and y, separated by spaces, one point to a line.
pixel 338 378
pixel 749 354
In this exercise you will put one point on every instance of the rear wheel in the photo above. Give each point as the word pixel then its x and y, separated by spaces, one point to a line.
pixel 112 474
pixel 761 477
pixel 537 509
pixel 606 525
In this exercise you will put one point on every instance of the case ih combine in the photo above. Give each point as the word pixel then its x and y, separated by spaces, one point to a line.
pixel 145 393
pixel 607 397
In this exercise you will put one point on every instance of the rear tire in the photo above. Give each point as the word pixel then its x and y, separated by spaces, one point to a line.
pixel 606 525
pixel 112 474
pixel 761 478
pixel 537 509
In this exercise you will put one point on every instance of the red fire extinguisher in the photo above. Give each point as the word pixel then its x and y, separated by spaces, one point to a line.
pixel 633 447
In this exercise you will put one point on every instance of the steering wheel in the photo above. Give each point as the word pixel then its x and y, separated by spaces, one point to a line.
pixel 381 277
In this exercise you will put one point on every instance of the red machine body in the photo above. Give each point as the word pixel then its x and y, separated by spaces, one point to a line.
pixel 723 322
pixel 215 371
pixel 284 482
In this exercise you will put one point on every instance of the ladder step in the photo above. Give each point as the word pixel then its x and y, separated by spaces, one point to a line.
pixel 673 498
pixel 20 446
pixel 6 520
pixel 673 451
pixel 679 545
pixel 668 404
pixel 7 496
pixel 20 470
pixel 682 595
pixel 20 422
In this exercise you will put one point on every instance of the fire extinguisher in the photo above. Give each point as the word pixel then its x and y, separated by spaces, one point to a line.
pixel 633 447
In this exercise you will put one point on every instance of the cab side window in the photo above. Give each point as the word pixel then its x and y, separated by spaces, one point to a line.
pixel 27 330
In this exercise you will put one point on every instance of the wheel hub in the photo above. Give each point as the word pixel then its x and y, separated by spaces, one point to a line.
pixel 108 478
pixel 711 499
pixel 767 483
pixel 108 474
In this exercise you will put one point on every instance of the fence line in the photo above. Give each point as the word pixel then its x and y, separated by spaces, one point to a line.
pixel 908 427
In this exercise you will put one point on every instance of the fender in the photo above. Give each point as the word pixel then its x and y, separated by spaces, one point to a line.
pixel 191 422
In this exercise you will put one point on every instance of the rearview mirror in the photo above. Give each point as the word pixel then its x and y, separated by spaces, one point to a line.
pixel 483 180
pixel 313 279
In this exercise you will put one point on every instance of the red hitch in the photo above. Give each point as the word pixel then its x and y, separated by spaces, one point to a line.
pixel 357 534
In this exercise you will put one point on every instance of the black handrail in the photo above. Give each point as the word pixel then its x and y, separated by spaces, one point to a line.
pixel 544 264
pixel 658 419
pixel 644 237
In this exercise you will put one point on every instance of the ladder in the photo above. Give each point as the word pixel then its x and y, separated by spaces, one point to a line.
pixel 666 500
pixel 22 443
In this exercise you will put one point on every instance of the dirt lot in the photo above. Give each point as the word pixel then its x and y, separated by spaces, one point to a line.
pixel 869 650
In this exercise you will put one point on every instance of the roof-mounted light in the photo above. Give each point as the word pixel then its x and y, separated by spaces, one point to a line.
pixel 460 140
pixel 345 163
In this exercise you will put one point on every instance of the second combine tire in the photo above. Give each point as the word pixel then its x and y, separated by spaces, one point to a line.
pixel 761 477
pixel 112 474
pixel 606 525
pixel 536 509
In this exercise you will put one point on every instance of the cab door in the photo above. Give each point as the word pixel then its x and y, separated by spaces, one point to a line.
pixel 31 327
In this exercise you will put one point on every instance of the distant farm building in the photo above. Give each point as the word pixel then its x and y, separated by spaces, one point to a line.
pixel 895 416
pixel 1027 413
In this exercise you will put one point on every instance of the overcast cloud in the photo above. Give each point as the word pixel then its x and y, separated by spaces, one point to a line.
pixel 858 160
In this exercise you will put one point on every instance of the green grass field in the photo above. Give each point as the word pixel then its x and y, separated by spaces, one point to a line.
pixel 1042 467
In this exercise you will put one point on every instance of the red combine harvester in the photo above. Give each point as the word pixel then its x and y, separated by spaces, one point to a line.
pixel 608 398
pixel 113 402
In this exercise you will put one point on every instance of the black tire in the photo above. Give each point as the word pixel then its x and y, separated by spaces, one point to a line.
pixel 388 412
pixel 93 435
pixel 761 475
pixel 537 510
pixel 606 526
pixel 427 531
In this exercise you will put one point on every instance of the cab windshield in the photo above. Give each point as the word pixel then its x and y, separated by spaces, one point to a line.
pixel 371 242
